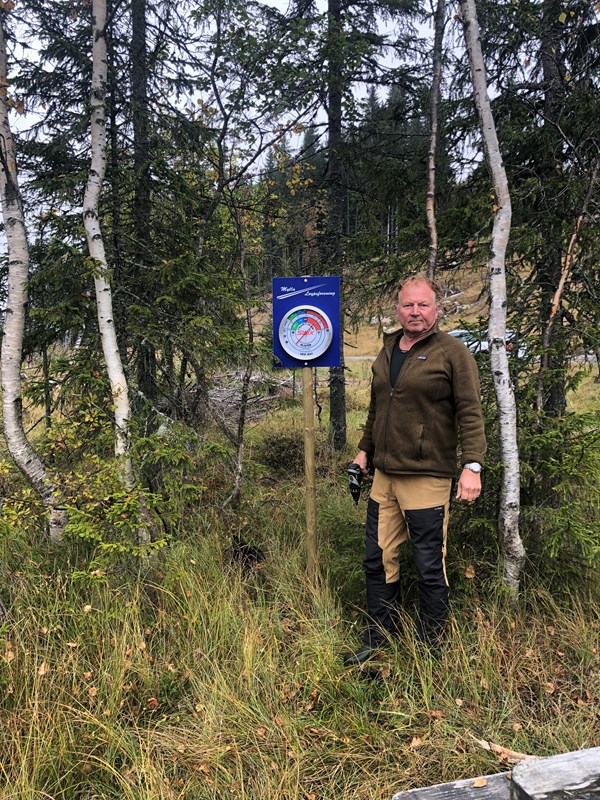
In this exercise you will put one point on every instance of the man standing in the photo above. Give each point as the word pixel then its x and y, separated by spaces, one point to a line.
pixel 424 389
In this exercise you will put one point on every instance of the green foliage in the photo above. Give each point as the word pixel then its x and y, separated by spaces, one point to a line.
pixel 561 502
pixel 111 523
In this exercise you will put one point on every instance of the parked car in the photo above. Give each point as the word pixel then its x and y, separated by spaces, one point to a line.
pixel 477 341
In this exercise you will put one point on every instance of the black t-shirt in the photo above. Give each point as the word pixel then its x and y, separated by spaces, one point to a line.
pixel 396 363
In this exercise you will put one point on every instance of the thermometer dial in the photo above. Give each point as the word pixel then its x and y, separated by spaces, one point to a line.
pixel 305 332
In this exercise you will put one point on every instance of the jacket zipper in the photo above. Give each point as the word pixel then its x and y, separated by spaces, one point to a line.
pixel 390 397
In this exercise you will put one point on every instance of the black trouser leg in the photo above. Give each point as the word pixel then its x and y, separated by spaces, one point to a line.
pixel 381 596
pixel 426 528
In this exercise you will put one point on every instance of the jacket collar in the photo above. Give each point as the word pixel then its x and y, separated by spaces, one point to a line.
pixel 391 339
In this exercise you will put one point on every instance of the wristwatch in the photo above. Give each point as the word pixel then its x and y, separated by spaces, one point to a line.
pixel 474 466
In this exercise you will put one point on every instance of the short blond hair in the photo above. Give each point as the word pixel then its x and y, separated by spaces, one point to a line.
pixel 422 278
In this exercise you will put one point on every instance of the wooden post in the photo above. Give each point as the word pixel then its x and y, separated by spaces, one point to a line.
pixel 312 544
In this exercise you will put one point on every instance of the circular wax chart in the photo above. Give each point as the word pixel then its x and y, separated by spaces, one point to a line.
pixel 305 332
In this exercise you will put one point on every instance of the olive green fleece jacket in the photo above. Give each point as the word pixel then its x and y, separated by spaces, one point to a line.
pixel 413 426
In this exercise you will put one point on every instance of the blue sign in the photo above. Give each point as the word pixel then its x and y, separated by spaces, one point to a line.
pixel 306 322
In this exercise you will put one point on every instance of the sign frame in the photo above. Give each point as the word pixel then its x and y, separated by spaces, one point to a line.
pixel 310 308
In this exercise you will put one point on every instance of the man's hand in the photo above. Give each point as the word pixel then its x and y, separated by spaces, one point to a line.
pixel 469 486
pixel 362 461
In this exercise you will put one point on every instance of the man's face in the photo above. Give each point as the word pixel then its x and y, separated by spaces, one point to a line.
pixel 417 309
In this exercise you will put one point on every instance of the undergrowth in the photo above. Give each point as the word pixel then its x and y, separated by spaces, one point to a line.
pixel 225 681
pixel 213 670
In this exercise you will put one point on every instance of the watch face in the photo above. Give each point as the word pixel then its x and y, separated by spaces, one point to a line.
pixel 473 467
pixel 305 332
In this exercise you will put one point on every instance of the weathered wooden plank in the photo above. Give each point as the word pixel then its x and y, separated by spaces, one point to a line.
pixel 569 775
pixel 496 787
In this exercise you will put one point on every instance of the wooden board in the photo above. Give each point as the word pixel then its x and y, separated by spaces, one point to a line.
pixel 568 776
pixel 497 787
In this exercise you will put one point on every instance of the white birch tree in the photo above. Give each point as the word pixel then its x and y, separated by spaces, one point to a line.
pixel 508 522
pixel 95 242
pixel 21 450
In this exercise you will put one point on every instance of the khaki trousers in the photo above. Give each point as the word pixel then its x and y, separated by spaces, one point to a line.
pixel 401 508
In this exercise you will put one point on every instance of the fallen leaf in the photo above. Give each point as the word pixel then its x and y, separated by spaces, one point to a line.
pixel 42 669
pixel 459 702
pixel 87 675
pixel 416 742
pixel 152 703
pixel 92 691
pixel 549 687
pixel 470 572
pixel 260 731
pixel 516 726
pixel 87 609
pixel 479 783
pixel 72 644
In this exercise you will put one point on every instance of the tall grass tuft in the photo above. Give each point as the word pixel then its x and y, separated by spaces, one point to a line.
pixel 230 683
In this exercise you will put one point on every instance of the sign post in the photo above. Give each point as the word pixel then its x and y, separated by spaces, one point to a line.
pixel 312 538
pixel 306 334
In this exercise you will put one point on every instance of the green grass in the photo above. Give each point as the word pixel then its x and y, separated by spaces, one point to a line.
pixel 207 682
pixel 231 686
pixel 586 398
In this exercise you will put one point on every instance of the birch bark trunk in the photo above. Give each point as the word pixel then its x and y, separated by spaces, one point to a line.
pixel 508 522
pixel 18 445
pixel 91 221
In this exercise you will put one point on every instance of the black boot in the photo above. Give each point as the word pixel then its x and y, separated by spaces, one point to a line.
pixel 360 656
